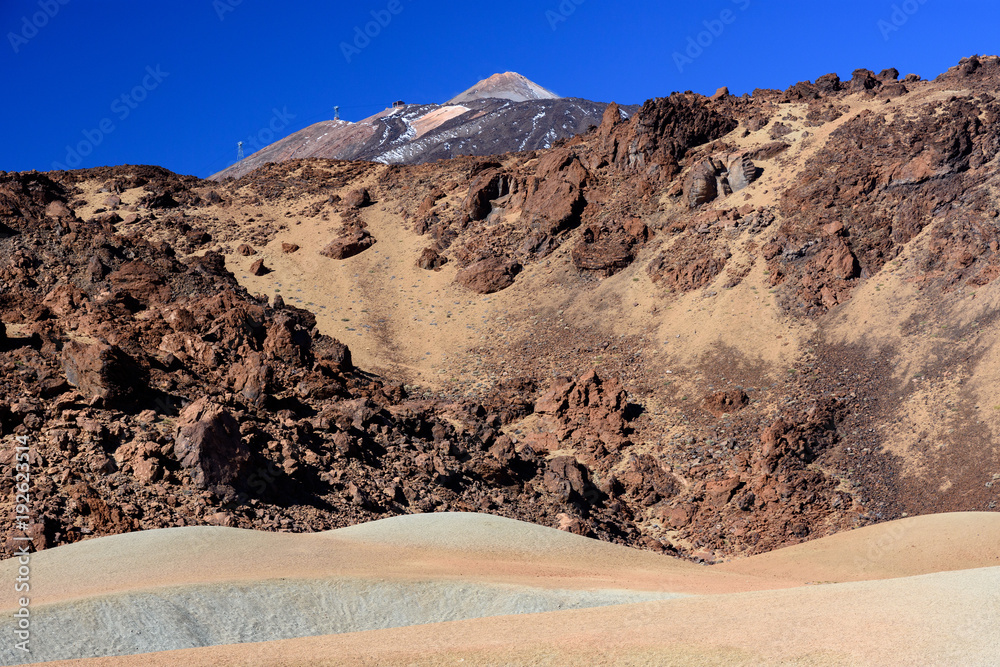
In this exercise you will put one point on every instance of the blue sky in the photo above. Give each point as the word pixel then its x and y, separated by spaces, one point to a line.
pixel 178 83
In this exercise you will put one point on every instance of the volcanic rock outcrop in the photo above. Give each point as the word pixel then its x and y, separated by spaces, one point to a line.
pixel 699 338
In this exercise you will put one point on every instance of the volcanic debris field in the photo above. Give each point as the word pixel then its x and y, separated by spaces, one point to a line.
pixel 713 327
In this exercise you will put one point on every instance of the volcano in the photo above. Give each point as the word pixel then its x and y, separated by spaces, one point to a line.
pixel 501 114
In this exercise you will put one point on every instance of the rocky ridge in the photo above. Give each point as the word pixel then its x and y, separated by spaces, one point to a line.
pixel 160 392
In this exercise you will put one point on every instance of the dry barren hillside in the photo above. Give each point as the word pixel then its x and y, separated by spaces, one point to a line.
pixel 719 326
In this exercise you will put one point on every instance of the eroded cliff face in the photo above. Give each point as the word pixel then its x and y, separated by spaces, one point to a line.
pixel 719 326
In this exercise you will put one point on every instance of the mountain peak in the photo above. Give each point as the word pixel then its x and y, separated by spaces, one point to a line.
pixel 508 86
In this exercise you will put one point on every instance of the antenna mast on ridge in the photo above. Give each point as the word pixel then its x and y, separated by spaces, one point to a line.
pixel 239 151
pixel 336 113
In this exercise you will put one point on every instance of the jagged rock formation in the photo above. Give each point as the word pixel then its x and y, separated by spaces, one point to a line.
pixel 699 338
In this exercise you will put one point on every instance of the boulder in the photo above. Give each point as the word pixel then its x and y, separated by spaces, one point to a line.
pixel 208 445
pixel 779 130
pixel 828 83
pixel 430 259
pixel 427 205
pixel 64 299
pixel 489 185
pixel 603 252
pixel 488 275
pixel 741 173
pixel 160 199
pixel 258 268
pixel 556 205
pixel 701 185
pixel 96 269
pixel 246 250
pixel 358 198
pixel 101 371
pixel 286 340
pixel 571 524
pixel 140 281
pixel 58 210
pixel 555 199
pixel 564 477
pixel 211 263
pixel 349 245
pixel 863 79
pixel 331 356
pixel 198 237
pixel 289 248
pixel 889 75
pixel 252 378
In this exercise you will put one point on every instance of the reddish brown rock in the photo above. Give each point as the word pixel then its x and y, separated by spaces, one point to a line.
pixel 719 491
pixel 690 264
pixel 208 445
pixel 287 340
pixel 701 184
pixel 488 275
pixel 723 402
pixel 555 198
pixel 101 371
pixel 65 299
pixel 431 260
pixel 607 252
pixel 589 407
pixel 289 247
pixel 863 79
pixel 331 356
pixel 565 477
pixel 779 130
pixel 246 250
pixel 428 203
pixel 141 458
pixel 358 198
pixel 258 268
pixel 645 480
pixel 252 377
pixel 198 237
pixel 141 281
pixel 58 210
pixel 489 185
pixel 349 245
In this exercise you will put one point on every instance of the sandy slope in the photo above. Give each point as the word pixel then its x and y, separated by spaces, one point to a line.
pixel 941 619
pixel 547 588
